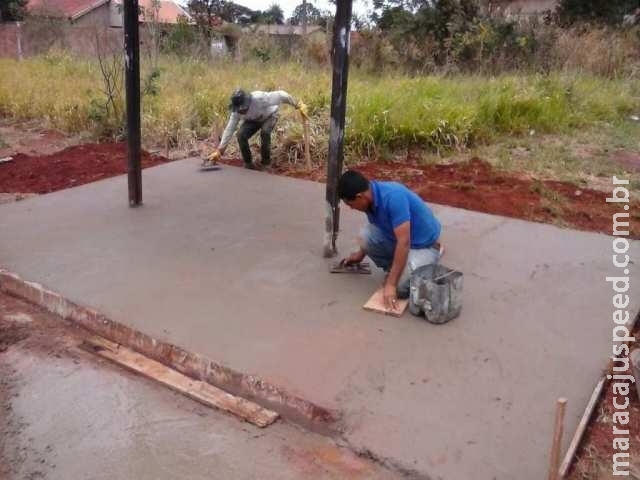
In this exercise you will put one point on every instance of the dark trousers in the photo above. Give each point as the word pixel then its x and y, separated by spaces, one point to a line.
pixel 248 129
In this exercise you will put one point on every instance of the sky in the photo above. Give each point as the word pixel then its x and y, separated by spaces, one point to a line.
pixel 359 6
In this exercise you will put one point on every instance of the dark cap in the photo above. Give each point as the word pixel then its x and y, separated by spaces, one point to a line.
pixel 240 100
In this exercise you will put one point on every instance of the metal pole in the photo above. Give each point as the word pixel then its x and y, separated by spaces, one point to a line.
pixel 340 50
pixel 132 79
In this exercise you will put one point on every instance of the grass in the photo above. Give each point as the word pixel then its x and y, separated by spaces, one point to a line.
pixel 501 118
pixel 580 156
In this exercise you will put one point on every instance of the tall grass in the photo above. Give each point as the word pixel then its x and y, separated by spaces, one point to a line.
pixel 384 112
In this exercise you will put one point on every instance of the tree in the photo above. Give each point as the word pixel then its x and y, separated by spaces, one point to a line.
pixel 273 14
pixel 13 10
pixel 314 16
pixel 209 13
pixel 599 11
pixel 395 19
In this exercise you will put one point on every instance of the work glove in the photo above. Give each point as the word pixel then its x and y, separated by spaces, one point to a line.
pixel 303 109
pixel 214 156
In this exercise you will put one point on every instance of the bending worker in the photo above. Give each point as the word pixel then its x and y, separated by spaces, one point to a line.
pixel 259 111
pixel 402 234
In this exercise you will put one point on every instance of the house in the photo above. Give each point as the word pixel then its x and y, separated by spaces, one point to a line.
pixel 107 13
pixel 288 38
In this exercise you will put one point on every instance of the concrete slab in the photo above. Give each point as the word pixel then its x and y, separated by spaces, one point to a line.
pixel 227 264
pixel 66 414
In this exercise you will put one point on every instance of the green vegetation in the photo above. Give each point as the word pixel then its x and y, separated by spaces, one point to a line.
pixel 558 125
pixel 437 113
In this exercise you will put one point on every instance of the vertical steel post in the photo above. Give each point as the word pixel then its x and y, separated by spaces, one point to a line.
pixel 132 80
pixel 340 55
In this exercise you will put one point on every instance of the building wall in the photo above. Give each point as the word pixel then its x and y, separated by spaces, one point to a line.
pixel 38 37
pixel 99 16
pixel 9 43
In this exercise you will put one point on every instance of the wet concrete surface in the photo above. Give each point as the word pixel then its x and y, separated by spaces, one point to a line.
pixel 227 264
pixel 66 414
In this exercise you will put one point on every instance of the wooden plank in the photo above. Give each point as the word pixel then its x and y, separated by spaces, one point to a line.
pixel 376 304
pixel 195 389
pixel 582 427
pixel 307 152
pixel 556 445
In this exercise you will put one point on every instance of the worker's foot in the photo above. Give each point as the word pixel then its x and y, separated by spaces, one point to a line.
pixel 251 166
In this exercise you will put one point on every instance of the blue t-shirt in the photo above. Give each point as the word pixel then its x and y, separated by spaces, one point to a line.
pixel 394 204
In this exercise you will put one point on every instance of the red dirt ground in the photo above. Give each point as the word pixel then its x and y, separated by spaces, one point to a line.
pixel 67 168
pixel 473 185
pixel 476 185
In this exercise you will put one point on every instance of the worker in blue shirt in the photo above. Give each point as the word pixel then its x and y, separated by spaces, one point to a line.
pixel 402 234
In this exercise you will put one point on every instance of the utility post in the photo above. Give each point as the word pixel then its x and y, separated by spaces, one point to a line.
pixel 132 79
pixel 340 55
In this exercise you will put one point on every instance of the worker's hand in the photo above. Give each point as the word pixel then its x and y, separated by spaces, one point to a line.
pixel 214 156
pixel 303 109
pixel 353 259
pixel 390 296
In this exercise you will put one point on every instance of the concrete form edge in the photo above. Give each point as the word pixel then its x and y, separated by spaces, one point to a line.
pixel 250 387
pixel 581 429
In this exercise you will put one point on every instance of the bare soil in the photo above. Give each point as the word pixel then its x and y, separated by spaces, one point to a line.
pixel 32 138
pixel 70 167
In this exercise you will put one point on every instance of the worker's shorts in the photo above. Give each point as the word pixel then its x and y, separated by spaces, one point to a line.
pixel 380 249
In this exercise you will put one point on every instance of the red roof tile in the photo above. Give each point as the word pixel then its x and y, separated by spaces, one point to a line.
pixel 64 8
pixel 169 11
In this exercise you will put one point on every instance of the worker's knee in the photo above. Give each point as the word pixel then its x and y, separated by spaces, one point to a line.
pixel 364 238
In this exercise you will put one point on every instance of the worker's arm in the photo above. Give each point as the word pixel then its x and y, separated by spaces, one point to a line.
pixel 280 96
pixel 234 119
pixel 397 206
pixel 400 255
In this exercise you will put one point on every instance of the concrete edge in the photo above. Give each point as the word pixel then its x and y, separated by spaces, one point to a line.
pixel 581 429
pixel 250 387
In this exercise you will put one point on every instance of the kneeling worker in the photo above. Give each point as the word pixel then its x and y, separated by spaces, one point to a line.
pixel 402 233
pixel 259 111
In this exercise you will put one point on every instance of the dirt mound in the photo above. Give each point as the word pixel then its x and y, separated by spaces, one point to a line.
pixel 67 168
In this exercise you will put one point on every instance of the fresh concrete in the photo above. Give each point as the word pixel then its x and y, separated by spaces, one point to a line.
pixel 68 415
pixel 227 264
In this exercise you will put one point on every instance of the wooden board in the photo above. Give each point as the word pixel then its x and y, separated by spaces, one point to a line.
pixel 376 304
pixel 195 389
pixel 307 153
pixel 582 428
